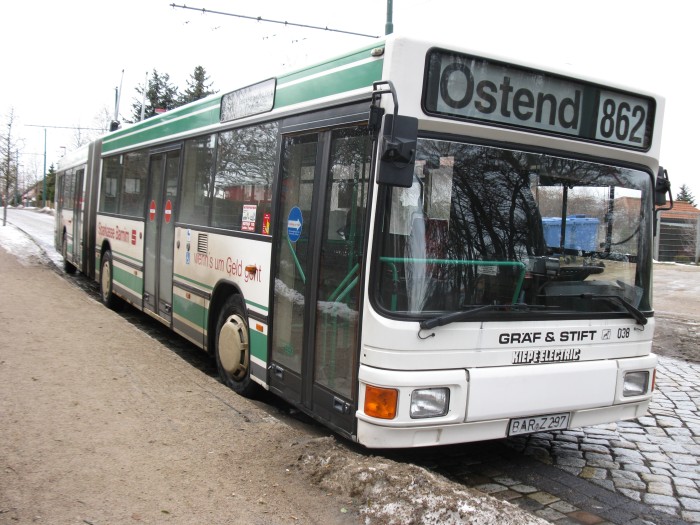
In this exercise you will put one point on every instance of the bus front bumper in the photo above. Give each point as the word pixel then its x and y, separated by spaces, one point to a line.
pixel 375 436
pixel 483 402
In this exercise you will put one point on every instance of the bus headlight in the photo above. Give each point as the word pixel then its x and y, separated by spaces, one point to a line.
pixel 429 402
pixel 635 384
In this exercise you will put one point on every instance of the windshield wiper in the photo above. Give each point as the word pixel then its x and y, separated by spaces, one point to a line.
pixel 631 309
pixel 461 315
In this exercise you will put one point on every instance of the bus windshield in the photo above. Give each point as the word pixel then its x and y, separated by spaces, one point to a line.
pixel 498 230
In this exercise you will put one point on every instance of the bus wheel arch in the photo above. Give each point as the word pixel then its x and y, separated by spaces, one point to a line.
pixel 231 342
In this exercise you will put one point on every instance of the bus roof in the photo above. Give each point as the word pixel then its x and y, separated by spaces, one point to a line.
pixel 335 77
pixel 334 80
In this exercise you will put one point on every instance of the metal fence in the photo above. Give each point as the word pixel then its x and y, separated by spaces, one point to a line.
pixel 677 239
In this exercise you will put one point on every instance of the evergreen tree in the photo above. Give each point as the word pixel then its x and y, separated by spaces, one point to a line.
pixel 197 86
pixel 50 185
pixel 685 195
pixel 161 95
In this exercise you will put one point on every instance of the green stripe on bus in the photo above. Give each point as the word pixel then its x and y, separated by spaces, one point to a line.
pixel 206 287
pixel 125 256
pixel 332 84
pixel 196 283
pixel 128 280
pixel 260 306
pixel 328 65
pixel 163 128
pixel 165 117
pixel 199 115
pixel 192 312
pixel 258 345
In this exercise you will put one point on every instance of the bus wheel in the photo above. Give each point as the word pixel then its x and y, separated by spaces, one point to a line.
pixel 233 348
pixel 67 267
pixel 106 294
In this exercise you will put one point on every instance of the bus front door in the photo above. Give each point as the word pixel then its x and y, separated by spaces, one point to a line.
pixel 319 241
pixel 163 172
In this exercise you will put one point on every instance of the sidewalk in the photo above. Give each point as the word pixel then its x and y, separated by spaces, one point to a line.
pixel 103 424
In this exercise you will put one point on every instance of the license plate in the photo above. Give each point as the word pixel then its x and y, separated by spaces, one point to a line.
pixel 528 425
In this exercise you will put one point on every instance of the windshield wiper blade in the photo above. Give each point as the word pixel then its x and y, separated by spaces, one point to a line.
pixel 461 315
pixel 631 309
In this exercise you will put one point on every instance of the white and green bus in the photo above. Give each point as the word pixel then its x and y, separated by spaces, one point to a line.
pixel 473 264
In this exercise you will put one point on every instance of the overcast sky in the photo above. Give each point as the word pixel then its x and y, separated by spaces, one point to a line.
pixel 62 60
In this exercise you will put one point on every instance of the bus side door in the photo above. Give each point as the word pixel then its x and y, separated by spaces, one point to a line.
pixel 78 243
pixel 319 232
pixel 163 173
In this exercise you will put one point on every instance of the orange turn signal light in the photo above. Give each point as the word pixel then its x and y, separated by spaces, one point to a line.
pixel 381 402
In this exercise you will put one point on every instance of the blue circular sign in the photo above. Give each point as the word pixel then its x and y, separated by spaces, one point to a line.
pixel 294 223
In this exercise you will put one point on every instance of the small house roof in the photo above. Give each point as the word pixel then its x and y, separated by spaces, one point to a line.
pixel 681 210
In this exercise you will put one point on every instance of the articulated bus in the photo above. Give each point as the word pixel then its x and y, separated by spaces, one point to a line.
pixel 415 244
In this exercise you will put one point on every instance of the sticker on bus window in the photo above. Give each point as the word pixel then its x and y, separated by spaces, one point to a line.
pixel 266 224
pixel 249 213
pixel 295 222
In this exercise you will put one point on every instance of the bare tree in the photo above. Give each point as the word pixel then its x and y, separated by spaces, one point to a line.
pixel 8 165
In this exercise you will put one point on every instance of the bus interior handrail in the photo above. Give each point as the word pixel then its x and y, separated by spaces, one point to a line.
pixel 462 262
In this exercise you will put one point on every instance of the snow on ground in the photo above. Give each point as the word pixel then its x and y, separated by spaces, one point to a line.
pixel 28 235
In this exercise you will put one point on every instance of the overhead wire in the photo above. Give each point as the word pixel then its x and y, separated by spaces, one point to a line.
pixel 268 20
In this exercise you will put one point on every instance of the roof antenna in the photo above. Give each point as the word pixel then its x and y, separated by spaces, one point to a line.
pixel 114 125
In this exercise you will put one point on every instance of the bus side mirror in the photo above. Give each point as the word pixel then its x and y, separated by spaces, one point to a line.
pixel 663 187
pixel 397 151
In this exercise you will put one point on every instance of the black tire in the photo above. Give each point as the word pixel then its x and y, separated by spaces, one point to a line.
pixel 232 348
pixel 106 294
pixel 67 267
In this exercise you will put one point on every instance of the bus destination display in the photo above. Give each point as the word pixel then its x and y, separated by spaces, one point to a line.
pixel 473 88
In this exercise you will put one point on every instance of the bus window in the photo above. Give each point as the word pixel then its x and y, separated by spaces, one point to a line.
pixel 243 182
pixel 342 260
pixel 133 193
pixel 488 226
pixel 68 193
pixel 111 180
pixel 196 184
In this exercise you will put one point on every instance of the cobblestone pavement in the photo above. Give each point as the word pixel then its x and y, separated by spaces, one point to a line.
pixel 654 460
pixel 626 473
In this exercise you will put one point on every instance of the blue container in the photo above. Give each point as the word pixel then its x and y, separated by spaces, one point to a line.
pixel 581 232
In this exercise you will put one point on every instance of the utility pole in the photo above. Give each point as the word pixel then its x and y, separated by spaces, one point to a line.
pixel 45 126
pixel 17 198
pixel 43 191
pixel 389 27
